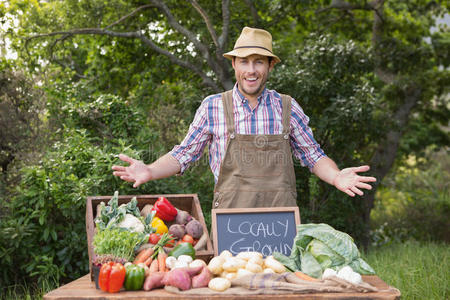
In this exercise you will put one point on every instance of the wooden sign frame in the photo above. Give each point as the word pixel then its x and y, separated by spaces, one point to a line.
pixel 218 211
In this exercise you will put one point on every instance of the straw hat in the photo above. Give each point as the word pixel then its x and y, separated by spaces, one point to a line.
pixel 253 41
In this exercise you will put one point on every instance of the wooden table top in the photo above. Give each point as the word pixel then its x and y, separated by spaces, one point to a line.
pixel 84 288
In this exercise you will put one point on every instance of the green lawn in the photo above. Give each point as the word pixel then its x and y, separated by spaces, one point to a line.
pixel 418 270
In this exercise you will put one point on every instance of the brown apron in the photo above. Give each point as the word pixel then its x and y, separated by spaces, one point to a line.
pixel 257 170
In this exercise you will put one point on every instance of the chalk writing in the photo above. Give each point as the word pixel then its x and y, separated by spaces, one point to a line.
pixel 264 232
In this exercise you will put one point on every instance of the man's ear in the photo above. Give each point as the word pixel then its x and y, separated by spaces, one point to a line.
pixel 232 61
pixel 272 64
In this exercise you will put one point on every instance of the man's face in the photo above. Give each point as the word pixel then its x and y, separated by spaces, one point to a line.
pixel 251 73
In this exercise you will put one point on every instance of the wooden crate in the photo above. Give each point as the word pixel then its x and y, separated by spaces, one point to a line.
pixel 187 202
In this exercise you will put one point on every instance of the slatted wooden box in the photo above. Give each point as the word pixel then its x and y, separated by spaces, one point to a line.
pixel 187 202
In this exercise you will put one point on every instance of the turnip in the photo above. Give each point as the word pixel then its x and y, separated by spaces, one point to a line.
pixel 202 279
pixel 178 278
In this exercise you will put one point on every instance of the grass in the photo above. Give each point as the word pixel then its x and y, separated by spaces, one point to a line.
pixel 418 270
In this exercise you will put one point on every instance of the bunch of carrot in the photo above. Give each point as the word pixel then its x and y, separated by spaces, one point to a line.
pixel 155 257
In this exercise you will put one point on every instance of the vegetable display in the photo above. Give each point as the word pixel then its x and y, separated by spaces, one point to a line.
pixel 318 247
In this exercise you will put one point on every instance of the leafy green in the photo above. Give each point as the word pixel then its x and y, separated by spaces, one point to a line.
pixel 118 242
pixel 112 215
pixel 318 247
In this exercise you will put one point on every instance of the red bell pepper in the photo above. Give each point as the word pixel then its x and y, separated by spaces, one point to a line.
pixel 164 209
pixel 111 277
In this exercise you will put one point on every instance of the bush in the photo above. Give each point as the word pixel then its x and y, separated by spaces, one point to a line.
pixel 414 202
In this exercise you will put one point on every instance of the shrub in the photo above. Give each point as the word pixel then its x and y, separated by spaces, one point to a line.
pixel 414 202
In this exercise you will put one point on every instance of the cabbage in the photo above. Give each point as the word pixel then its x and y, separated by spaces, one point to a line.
pixel 318 247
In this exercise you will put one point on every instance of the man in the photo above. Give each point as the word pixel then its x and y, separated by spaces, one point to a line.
pixel 252 133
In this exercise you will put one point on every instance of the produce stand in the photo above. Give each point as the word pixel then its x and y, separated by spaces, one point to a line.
pixel 84 288
pixel 186 202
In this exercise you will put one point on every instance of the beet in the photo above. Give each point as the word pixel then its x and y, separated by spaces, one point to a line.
pixel 183 217
pixel 177 230
pixel 194 229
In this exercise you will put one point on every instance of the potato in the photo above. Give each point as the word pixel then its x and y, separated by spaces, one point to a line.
pixel 271 262
pixel 252 267
pixel 219 284
pixel 248 255
pixel 232 264
pixel 225 254
pixel 243 272
pixel 216 265
pixel 257 260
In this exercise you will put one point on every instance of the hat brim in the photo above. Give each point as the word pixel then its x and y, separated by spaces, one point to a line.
pixel 244 52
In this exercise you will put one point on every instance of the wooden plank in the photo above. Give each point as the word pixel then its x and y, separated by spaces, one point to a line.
pixel 83 288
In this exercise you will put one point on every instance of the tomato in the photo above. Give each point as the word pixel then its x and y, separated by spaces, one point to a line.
pixel 188 239
pixel 154 238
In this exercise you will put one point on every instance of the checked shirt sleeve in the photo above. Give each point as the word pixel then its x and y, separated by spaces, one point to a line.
pixel 195 141
pixel 303 144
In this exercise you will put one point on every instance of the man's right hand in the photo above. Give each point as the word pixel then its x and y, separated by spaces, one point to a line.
pixel 136 172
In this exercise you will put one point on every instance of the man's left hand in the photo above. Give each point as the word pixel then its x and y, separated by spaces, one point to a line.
pixel 350 182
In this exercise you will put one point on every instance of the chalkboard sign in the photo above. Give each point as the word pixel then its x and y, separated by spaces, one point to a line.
pixel 264 230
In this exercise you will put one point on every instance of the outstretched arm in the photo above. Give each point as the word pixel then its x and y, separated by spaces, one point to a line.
pixel 139 173
pixel 346 180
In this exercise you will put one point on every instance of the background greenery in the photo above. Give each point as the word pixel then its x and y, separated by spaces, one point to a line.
pixel 372 77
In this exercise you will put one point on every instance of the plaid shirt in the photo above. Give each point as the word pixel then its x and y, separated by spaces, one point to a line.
pixel 209 127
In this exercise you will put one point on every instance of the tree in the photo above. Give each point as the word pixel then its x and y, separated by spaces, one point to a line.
pixel 408 84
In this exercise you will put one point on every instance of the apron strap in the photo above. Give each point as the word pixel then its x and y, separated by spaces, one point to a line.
pixel 227 99
pixel 286 101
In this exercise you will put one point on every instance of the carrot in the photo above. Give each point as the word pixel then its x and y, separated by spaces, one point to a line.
pixel 154 267
pixel 303 276
pixel 162 261
pixel 143 256
pixel 148 261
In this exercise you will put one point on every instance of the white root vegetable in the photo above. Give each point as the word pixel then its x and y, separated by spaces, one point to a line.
pixel 328 273
pixel 216 265
pixel 180 264
pixel 219 284
pixel 271 262
pixel 185 258
pixel 170 262
pixel 348 274
pixel 228 275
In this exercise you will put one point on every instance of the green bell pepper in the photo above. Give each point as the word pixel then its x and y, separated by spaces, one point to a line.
pixel 134 278
pixel 183 249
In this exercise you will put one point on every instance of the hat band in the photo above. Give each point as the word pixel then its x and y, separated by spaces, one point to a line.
pixel 252 47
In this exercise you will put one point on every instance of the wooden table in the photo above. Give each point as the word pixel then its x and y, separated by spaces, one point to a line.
pixel 84 288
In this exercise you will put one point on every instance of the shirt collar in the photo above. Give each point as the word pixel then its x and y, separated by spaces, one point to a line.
pixel 241 98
